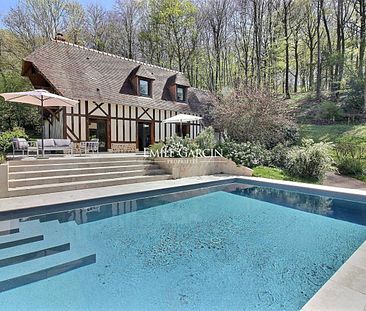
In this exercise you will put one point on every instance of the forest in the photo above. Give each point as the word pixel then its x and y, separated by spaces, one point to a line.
pixel 289 46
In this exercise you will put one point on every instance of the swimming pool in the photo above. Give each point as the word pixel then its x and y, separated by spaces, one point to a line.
pixel 224 247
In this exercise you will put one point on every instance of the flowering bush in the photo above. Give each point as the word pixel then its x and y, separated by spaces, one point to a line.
pixel 247 154
pixel 255 115
pixel 309 160
pixel 206 139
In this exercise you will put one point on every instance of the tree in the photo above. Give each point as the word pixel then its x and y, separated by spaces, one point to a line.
pixel 255 115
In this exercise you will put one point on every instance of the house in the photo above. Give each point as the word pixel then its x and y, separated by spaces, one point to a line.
pixel 122 102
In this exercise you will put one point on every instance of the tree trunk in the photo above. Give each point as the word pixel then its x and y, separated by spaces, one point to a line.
pixel 296 65
pixel 361 55
pixel 287 55
pixel 319 65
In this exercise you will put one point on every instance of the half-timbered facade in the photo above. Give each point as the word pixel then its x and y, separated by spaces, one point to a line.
pixel 122 102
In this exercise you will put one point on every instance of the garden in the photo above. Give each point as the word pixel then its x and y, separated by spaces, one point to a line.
pixel 261 133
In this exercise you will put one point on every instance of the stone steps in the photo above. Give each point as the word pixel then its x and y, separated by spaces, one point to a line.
pixel 59 160
pixel 31 177
pixel 40 166
pixel 40 189
pixel 87 170
pixel 80 177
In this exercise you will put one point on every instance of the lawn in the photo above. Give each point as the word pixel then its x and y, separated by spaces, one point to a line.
pixel 276 173
pixel 334 133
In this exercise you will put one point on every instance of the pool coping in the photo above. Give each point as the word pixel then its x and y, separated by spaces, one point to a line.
pixel 344 291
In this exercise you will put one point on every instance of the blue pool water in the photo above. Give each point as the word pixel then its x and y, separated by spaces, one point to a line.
pixel 223 248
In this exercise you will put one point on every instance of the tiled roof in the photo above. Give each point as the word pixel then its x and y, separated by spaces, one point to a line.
pixel 83 73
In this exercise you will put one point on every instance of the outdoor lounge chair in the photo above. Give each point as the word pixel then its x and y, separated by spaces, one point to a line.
pixel 24 146
pixel 54 144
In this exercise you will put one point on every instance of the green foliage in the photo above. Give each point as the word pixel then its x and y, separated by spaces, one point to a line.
pixel 330 111
pixel 349 158
pixel 354 103
pixel 247 154
pixel 206 139
pixel 310 160
pixel 7 137
pixel 12 114
pixel 269 172
pixel 279 155
pixel 156 148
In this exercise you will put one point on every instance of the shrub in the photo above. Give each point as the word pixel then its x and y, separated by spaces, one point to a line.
pixel 354 102
pixel 249 114
pixel 349 158
pixel 247 154
pixel 7 137
pixel 279 156
pixel 330 111
pixel 309 160
pixel 178 147
pixel 206 139
pixel 156 148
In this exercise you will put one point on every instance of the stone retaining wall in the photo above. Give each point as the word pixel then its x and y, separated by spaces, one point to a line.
pixel 123 147
pixel 188 167
pixel 4 173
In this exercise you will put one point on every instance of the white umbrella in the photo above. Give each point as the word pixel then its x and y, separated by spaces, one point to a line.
pixel 182 118
pixel 41 98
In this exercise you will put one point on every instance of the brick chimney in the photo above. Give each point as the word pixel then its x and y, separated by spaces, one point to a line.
pixel 60 37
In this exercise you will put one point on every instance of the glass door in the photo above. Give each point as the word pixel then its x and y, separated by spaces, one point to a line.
pixel 98 130
pixel 144 135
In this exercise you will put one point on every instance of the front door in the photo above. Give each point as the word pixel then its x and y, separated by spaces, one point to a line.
pixel 144 135
pixel 98 130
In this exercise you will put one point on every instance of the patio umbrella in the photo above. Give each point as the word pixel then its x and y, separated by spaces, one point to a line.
pixel 182 118
pixel 41 98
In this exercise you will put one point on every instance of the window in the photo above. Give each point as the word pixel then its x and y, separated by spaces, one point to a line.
pixel 144 87
pixel 181 93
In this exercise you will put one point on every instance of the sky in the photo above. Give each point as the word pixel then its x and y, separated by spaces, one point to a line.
pixel 5 5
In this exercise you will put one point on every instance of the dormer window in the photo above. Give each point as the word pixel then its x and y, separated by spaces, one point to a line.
pixel 144 87
pixel 181 93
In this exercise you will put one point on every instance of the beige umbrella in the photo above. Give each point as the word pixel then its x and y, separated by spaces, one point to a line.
pixel 41 98
pixel 182 118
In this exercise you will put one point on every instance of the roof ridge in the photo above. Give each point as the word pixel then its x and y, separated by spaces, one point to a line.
pixel 116 56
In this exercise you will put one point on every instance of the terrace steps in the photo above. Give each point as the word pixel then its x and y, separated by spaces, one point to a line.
pixel 88 170
pixel 24 263
pixel 31 177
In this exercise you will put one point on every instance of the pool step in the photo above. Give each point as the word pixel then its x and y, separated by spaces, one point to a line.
pixel 9 231
pixel 34 254
pixel 58 187
pixel 55 253
pixel 42 268
pixel 23 236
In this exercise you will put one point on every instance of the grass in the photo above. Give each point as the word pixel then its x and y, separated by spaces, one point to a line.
pixel 279 174
pixel 334 133
pixel 270 172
